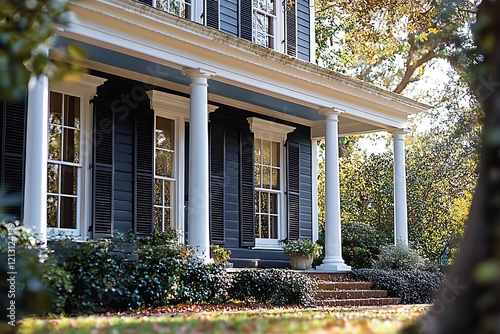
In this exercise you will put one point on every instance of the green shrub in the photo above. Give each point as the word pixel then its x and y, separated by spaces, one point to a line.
pixel 21 285
pixel 96 275
pixel 169 273
pixel 360 244
pixel 399 256
pixel 219 254
pixel 273 287
pixel 412 286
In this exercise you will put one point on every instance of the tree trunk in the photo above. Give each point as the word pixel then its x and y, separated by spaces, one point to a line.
pixel 469 302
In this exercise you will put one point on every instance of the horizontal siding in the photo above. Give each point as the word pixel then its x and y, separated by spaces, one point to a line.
pixel 303 32
pixel 234 120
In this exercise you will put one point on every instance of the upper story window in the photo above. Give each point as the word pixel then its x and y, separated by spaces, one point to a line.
pixel 264 24
pixel 179 8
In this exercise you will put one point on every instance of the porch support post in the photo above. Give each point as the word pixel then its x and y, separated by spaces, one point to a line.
pixel 400 210
pixel 37 131
pixel 333 261
pixel 199 200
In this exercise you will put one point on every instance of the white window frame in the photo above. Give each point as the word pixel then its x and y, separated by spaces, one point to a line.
pixel 84 89
pixel 278 25
pixel 176 108
pixel 267 130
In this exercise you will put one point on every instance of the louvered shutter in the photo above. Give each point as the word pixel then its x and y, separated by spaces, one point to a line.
pixel 144 178
pixel 291 27
pixel 247 208
pixel 246 17
pixel 217 158
pixel 103 169
pixel 12 150
pixel 212 10
pixel 293 193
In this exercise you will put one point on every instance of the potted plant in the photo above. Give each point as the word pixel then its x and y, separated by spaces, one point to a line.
pixel 221 255
pixel 301 252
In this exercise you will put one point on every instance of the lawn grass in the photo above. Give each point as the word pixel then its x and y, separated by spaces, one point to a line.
pixel 324 320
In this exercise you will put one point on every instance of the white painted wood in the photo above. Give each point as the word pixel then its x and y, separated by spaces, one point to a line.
pixel 198 191
pixel 314 188
pixel 37 135
pixel 333 261
pixel 400 205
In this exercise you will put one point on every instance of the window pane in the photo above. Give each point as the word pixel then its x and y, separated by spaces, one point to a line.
pixel 261 4
pixel 256 154
pixel 165 133
pixel 52 211
pixel 264 202
pixel 164 161
pixel 166 193
pixel 55 116
pixel 54 142
pixel 275 154
pixel 53 178
pixel 71 147
pixel 273 203
pixel 72 111
pixel 270 6
pixel 275 178
pixel 264 228
pixel 273 226
pixel 68 212
pixel 257 203
pixel 167 223
pixel 266 177
pixel 257 226
pixel 257 179
pixel 158 191
pixel 158 219
pixel 266 152
pixel 68 180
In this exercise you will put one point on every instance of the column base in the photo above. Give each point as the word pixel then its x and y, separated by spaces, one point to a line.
pixel 334 267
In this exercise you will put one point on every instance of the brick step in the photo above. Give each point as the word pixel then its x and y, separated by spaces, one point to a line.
pixel 359 302
pixel 324 285
pixel 350 294
pixel 331 277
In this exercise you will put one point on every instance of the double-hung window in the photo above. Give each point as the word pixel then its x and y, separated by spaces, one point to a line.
pixel 164 172
pixel 69 154
pixel 181 8
pixel 264 23
pixel 269 181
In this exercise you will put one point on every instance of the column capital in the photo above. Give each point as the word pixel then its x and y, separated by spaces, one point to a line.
pixel 330 111
pixel 398 132
pixel 199 72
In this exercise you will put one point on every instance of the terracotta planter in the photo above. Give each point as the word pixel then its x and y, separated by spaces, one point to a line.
pixel 301 262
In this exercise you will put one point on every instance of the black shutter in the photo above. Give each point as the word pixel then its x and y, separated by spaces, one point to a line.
pixel 12 151
pixel 291 27
pixel 293 154
pixel 212 11
pixel 246 19
pixel 247 208
pixel 103 169
pixel 217 158
pixel 144 178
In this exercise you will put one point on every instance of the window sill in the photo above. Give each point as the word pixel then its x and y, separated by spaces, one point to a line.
pixel 268 244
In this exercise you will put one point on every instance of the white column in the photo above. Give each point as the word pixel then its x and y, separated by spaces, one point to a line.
pixel 198 205
pixel 400 215
pixel 333 261
pixel 37 132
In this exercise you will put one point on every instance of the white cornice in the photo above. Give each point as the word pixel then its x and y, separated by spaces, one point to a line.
pixel 85 85
pixel 145 32
pixel 269 130
pixel 170 104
